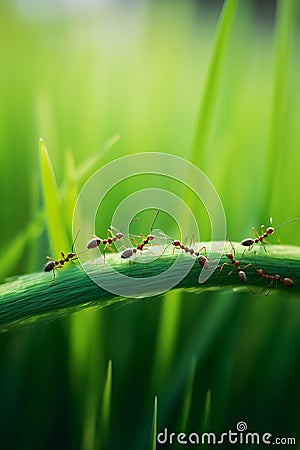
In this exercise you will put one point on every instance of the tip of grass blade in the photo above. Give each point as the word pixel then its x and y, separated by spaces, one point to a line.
pixel 54 217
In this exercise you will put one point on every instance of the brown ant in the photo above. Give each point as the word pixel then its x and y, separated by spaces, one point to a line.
pixel 203 260
pixel 96 241
pixel 240 272
pixel 287 282
pixel 249 242
pixel 129 252
pixel 54 264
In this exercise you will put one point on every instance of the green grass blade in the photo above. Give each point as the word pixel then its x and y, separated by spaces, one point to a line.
pixel 31 297
pixel 212 83
pixel 286 23
pixel 167 336
pixel 12 254
pixel 105 409
pixel 207 412
pixel 154 426
pixel 92 164
pixel 54 216
pixel 71 188
pixel 188 397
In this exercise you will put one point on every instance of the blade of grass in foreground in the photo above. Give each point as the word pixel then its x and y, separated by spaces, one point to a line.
pixel 104 419
pixel 154 426
pixel 56 226
pixel 32 297
pixel 207 412
pixel 188 397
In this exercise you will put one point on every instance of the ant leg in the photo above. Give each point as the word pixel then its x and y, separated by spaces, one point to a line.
pixel 278 240
pixel 222 266
pixel 52 282
pixel 134 240
pixel 202 248
pixel 255 232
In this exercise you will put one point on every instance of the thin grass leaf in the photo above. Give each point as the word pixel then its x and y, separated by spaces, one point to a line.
pixel 71 188
pixel 286 23
pixel 54 215
pixel 154 426
pixel 104 418
pixel 207 411
pixel 212 83
pixel 92 164
pixel 167 336
pixel 12 254
pixel 188 397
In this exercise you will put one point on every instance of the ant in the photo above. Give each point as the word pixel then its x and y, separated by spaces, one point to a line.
pixel 203 260
pixel 287 282
pixel 53 264
pixel 96 241
pixel 249 242
pixel 129 252
pixel 240 272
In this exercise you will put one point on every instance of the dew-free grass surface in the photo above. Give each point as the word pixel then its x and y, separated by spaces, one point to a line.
pixel 78 76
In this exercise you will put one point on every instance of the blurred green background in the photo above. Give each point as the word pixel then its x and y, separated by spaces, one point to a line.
pixel 78 73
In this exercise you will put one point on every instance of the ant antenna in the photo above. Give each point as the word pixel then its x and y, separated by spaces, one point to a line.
pixel 285 223
pixel 125 224
pixel 232 247
pixel 166 236
pixel 155 217
pixel 75 239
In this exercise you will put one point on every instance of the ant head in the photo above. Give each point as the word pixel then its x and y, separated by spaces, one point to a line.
pixel 150 237
pixel 176 243
pixel 229 256
pixel 259 272
pixel 270 230
pixel 119 235
pixel 242 276
pixel 288 282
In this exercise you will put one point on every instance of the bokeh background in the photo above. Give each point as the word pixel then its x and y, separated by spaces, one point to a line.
pixel 78 73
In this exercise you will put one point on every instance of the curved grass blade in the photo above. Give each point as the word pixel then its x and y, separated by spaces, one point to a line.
pixel 54 216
